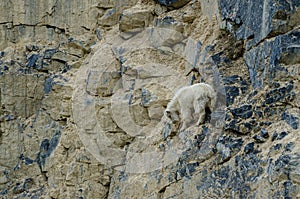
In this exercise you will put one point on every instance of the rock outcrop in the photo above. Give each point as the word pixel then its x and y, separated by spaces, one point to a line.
pixel 84 86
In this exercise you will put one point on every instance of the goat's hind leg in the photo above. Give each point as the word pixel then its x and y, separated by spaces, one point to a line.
pixel 187 118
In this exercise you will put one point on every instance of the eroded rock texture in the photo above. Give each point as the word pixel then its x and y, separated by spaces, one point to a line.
pixel 84 85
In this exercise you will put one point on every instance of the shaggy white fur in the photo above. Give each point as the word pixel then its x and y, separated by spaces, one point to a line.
pixel 189 104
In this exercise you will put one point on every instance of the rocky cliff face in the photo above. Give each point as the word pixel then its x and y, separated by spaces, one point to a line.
pixel 83 88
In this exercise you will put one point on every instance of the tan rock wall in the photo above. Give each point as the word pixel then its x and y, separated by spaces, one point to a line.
pixel 84 85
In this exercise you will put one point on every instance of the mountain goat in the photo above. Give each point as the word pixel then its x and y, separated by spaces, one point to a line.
pixel 190 103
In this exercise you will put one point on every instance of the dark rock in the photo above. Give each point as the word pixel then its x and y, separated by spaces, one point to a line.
pixel 173 3
pixel 232 125
pixel 265 123
pixel 282 161
pixel 244 83
pixel 231 93
pixel 191 167
pixel 216 58
pixel 211 179
pixel 166 131
pixel 166 21
pixel 32 61
pixel 18 188
pixel 48 54
pixel 289 146
pixel 290 97
pixel 249 148
pixel 249 163
pixel 238 17
pixel 24 70
pixel 278 94
pixel 244 89
pixel 243 112
pixel 264 61
pixel 28 183
pixel 249 126
pixel 274 136
pixel 264 133
pixel 32 47
pixel 3 192
pixel 276 85
pixel 280 14
pixel 200 137
pixel 276 195
pixel 291 55
pixel 284 166
pixel 272 110
pixel 210 48
pixel 98 33
pixel 238 177
pixel 291 120
pixel 289 188
pixel 186 170
pixel 48 85
pixel 231 143
pixel 66 68
pixel 282 135
pixel 223 175
pixel 259 139
pixel 146 97
pixel 227 117
pixel 28 161
pixel 9 117
pixel 123 176
pixel 23 187
pixel 250 171
pixel 253 94
pixel 231 79
pixel 276 147
pixel 258 113
pixel 239 127
pixel 248 19
pixel 46 148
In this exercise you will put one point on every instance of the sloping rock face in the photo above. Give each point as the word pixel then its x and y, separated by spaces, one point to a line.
pixel 84 86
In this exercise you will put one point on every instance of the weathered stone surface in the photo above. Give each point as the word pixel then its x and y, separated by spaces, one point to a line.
pixel 173 3
pixel 135 18
pixel 259 19
pixel 84 86
pixel 262 69
pixel 169 22
pixel 278 94
pixel 290 119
